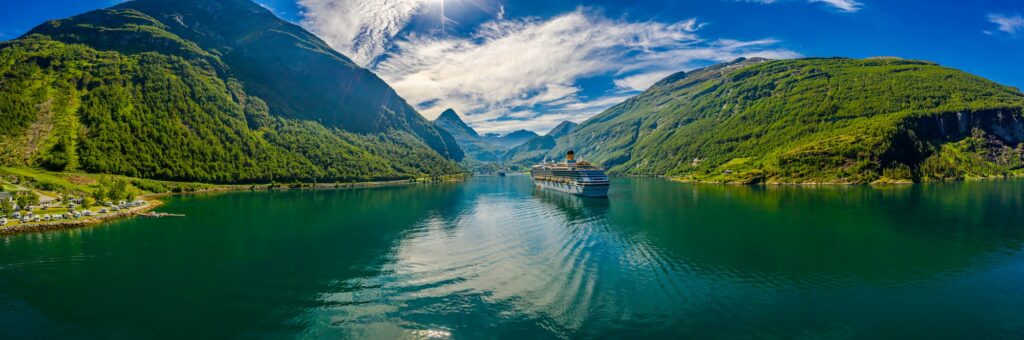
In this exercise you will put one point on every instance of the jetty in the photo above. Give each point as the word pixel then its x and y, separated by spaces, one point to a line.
pixel 160 214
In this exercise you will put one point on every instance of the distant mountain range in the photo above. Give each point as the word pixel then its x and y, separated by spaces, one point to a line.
pixel 829 120
pixel 490 147
pixel 534 150
pixel 214 91
pixel 511 139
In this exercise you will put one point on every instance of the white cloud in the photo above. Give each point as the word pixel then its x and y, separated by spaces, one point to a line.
pixel 842 5
pixel 641 81
pixel 361 29
pixel 509 67
pixel 499 76
pixel 1006 23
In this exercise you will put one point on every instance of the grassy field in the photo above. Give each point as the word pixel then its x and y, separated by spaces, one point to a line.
pixel 82 184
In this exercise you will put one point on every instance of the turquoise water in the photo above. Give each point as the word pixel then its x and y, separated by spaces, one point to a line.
pixel 495 258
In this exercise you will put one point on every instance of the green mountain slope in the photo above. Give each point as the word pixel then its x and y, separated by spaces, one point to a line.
pixel 811 120
pixel 217 91
pixel 476 147
pixel 479 148
pixel 534 150
pixel 562 129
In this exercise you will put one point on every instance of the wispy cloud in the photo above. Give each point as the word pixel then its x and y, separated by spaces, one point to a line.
pixel 518 73
pixel 501 76
pixel 362 29
pixel 1006 23
pixel 842 5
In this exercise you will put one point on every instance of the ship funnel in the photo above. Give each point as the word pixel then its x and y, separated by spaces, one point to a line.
pixel 570 157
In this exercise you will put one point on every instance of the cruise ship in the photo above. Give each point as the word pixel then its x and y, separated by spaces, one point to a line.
pixel 577 178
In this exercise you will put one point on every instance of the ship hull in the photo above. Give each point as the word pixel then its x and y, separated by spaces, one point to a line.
pixel 575 188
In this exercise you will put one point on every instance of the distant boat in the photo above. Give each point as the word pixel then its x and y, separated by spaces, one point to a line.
pixel 577 178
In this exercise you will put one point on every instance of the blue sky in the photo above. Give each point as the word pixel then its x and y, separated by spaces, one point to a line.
pixel 510 64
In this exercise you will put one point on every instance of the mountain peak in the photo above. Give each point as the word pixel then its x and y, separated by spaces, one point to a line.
pixel 450 121
pixel 520 134
pixel 450 114
pixel 562 129
pixel 709 71
pixel 511 139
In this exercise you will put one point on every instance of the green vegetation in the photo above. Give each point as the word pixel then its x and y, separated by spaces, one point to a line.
pixel 534 150
pixel 811 121
pixel 25 199
pixel 6 207
pixel 480 150
pixel 79 184
pixel 113 189
pixel 193 96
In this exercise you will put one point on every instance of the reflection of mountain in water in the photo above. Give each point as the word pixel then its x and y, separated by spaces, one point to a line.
pixel 831 234
pixel 493 257
pixel 658 252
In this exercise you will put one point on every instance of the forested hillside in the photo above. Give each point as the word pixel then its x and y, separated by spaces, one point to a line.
pixel 533 151
pixel 811 120
pixel 214 91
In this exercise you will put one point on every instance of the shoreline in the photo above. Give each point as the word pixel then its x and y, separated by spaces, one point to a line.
pixel 217 188
pixel 34 227
pixel 876 183
pixel 153 202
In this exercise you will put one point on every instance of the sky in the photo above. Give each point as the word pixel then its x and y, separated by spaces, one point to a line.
pixel 505 65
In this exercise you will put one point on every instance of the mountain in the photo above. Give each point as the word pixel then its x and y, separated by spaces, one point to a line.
pixel 831 120
pixel 449 121
pixel 563 128
pixel 511 139
pixel 216 91
pixel 475 146
pixel 534 150
pixel 483 148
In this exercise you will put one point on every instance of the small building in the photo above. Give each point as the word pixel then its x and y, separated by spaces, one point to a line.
pixel 6 196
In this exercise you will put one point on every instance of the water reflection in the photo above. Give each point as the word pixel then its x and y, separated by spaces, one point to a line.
pixel 657 256
pixel 495 257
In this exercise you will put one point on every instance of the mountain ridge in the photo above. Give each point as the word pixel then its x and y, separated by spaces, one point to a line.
pixel 490 147
pixel 562 129
pixel 811 120
pixel 534 150
pixel 193 90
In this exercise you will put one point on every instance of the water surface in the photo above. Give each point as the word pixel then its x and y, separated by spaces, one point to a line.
pixel 493 257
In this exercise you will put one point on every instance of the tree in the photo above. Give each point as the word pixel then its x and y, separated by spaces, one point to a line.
pixel 129 194
pixel 26 199
pixel 6 207
pixel 118 189
pixel 100 194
